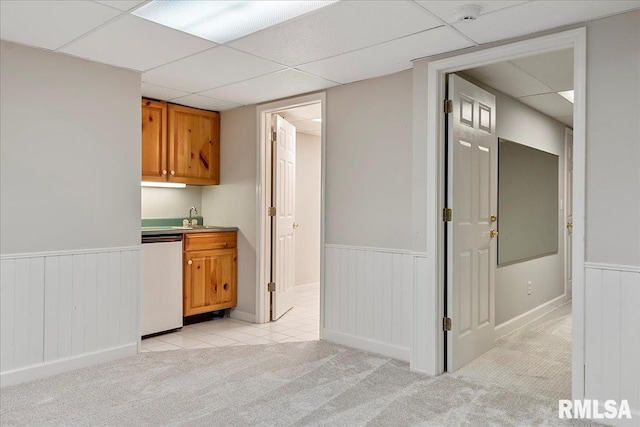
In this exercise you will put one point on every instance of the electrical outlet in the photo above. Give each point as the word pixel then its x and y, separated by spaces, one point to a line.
pixel 529 287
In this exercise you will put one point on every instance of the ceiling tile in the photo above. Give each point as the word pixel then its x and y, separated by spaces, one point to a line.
pixel 204 102
pixel 136 43
pixel 509 79
pixel 445 9
pixel 534 16
pixel 336 29
pixel 550 104
pixel 312 111
pixel 388 57
pixel 159 92
pixel 216 67
pixel 554 69
pixel 567 120
pixel 50 24
pixel 270 87
pixel 121 4
pixel 308 126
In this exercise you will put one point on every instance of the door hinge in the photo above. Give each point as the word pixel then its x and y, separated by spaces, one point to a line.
pixel 448 106
pixel 271 211
pixel 446 323
pixel 447 215
pixel 271 287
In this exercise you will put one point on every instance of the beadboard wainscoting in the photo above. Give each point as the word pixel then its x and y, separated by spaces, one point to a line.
pixel 65 310
pixel 368 299
pixel 612 341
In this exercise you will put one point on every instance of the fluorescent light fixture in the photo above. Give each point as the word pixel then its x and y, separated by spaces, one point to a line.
pixel 567 94
pixel 223 21
pixel 319 120
pixel 162 184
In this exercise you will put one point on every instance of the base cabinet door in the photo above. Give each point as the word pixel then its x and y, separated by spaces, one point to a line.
pixel 209 281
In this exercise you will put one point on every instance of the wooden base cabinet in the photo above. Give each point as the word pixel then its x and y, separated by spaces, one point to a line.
pixel 210 274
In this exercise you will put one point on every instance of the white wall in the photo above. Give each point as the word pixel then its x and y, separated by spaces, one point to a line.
pixel 308 161
pixel 368 163
pixel 171 202
pixel 69 187
pixel 70 153
pixel 613 150
pixel 233 202
pixel 612 329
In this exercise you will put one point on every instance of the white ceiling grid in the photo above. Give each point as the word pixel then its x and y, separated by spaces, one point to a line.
pixel 340 43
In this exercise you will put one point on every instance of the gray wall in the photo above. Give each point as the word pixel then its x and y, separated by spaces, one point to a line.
pixel 233 202
pixel 613 140
pixel 171 202
pixel 368 163
pixel 308 180
pixel 519 123
pixel 69 153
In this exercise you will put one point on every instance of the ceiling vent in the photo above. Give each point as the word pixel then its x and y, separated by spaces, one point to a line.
pixel 469 12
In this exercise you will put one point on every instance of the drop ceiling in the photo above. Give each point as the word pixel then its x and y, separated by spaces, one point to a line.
pixel 534 81
pixel 340 43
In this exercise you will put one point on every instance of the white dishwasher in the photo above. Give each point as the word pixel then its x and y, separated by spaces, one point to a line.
pixel 161 283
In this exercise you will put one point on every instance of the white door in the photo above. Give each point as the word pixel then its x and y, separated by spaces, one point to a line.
pixel 471 248
pixel 283 231
pixel 569 211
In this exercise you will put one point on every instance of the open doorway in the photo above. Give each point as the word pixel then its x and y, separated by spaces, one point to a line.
pixel 508 235
pixel 290 226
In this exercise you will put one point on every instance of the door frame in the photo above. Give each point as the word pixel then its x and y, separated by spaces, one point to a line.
pixel 263 195
pixel 428 346
pixel 567 292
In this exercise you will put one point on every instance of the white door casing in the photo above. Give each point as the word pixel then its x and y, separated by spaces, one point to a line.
pixel 472 195
pixel 569 212
pixel 283 232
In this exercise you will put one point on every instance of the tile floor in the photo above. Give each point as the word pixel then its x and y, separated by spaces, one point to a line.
pixel 302 323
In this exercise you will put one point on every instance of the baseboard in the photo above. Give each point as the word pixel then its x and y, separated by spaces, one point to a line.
pixel 528 317
pixel 243 315
pixel 366 344
pixel 30 373
pixel 306 286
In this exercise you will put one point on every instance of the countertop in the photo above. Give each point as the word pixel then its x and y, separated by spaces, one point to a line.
pixel 162 230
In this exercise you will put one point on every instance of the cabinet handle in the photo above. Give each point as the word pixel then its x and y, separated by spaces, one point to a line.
pixel 225 286
pixel 189 262
pixel 173 172
pixel 164 171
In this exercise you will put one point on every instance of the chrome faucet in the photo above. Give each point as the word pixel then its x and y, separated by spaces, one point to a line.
pixel 192 209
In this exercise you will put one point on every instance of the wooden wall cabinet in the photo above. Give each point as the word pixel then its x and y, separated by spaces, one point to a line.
pixel 210 272
pixel 180 144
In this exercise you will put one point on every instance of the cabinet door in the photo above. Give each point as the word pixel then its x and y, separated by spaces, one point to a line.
pixel 194 146
pixel 154 140
pixel 209 281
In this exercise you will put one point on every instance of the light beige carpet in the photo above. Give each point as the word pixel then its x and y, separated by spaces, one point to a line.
pixel 295 384
pixel 534 360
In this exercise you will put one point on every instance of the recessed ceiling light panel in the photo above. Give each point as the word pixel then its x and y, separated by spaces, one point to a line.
pixel 567 94
pixel 223 21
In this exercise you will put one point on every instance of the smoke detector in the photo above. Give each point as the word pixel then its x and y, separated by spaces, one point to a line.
pixel 469 12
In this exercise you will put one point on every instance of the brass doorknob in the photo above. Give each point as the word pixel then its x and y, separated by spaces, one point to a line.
pixel 494 218
pixel 569 225
pixel 494 233
pixel 295 225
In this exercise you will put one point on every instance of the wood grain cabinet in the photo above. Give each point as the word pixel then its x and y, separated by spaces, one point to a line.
pixel 154 140
pixel 180 144
pixel 210 272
